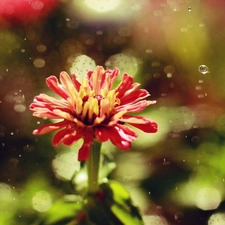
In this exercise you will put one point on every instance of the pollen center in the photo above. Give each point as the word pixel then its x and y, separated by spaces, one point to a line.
pixel 98 109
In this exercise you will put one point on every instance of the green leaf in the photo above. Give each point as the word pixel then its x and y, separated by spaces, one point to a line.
pixel 122 206
pixel 112 205
pixel 124 216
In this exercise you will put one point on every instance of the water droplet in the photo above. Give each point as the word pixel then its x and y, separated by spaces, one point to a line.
pixel 174 135
pixel 189 9
pixel 148 76
pixel 203 69
pixel 156 75
pixel 201 25
pixel 158 13
pixel 72 24
pixel 155 63
pixel 169 69
pixel 166 162
pixel 19 108
pixel 41 48
pixel 195 139
pixel 2 131
pixel 19 99
pixel 178 216
pixel 39 62
pixel 99 32
pixel 148 51
pixel 183 29
pixel 201 96
pixel 14 161
pixel 198 87
pixel 28 148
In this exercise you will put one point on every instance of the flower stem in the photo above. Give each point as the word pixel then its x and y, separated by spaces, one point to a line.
pixel 93 167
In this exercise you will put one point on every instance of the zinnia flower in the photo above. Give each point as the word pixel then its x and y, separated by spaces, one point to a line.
pixel 92 110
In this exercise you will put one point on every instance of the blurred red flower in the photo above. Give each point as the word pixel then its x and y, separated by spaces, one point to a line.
pixel 25 11
pixel 92 110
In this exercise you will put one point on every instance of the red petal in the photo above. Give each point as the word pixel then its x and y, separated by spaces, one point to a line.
pixel 126 133
pixel 89 75
pixel 116 139
pixel 84 151
pixel 141 123
pixel 60 136
pixel 134 107
pixel 76 82
pixel 46 128
pixel 124 85
pixel 150 127
pixel 96 79
pixel 43 98
pixel 72 138
pixel 102 134
pixel 113 75
pixel 134 96
pixel 54 85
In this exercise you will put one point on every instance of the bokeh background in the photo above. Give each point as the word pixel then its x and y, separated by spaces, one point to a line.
pixel 174 48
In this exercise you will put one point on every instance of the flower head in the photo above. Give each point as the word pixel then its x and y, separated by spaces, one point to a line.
pixel 93 110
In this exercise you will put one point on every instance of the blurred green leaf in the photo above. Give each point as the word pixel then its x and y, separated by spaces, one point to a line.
pixel 112 205
pixel 62 212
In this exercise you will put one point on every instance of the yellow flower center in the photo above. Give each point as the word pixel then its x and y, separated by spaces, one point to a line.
pixel 93 108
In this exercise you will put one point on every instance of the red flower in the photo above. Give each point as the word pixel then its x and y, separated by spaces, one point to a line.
pixel 92 110
pixel 25 11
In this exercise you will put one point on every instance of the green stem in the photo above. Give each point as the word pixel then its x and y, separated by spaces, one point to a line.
pixel 93 167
